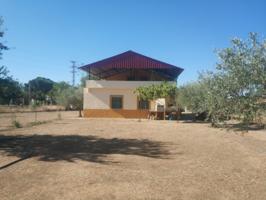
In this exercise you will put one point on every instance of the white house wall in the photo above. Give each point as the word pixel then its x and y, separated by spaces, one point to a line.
pixel 97 93
pixel 99 98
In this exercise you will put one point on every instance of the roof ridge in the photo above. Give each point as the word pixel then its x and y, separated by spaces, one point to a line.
pixel 127 53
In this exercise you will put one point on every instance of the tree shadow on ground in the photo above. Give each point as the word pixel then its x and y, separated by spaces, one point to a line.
pixel 78 147
pixel 237 127
pixel 194 122
pixel 243 127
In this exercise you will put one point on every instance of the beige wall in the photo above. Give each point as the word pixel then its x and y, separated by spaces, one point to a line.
pixel 99 98
pixel 97 93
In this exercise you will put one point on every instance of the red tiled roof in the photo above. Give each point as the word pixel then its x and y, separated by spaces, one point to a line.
pixel 131 60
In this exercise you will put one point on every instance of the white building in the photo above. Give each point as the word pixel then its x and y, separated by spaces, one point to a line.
pixel 112 93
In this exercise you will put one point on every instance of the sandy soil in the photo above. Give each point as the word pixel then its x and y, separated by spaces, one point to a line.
pixel 126 159
pixel 24 118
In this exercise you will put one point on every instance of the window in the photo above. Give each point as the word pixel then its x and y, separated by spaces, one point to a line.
pixel 144 104
pixel 116 102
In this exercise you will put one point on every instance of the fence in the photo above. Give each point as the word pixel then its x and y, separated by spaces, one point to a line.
pixel 23 119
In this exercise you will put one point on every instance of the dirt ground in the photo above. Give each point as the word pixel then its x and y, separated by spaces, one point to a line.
pixel 24 118
pixel 125 159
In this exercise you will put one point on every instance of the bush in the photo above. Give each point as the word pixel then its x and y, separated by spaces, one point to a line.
pixel 38 123
pixel 16 124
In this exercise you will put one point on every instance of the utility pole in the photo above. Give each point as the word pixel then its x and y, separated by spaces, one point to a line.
pixel 73 71
pixel 29 94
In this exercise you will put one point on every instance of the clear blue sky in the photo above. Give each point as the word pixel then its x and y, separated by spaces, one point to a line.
pixel 45 35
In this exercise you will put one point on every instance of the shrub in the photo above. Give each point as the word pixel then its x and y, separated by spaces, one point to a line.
pixel 38 123
pixel 16 124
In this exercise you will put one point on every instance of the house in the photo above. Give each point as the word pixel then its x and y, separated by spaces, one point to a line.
pixel 109 92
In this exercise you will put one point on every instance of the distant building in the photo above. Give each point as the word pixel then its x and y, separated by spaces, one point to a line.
pixel 109 92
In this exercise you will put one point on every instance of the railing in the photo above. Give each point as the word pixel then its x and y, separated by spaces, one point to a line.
pixel 118 84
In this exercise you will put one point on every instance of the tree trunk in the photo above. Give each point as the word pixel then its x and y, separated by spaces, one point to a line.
pixel 164 112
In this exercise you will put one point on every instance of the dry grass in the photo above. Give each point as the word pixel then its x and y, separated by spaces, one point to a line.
pixel 125 159
pixel 14 108
pixel 28 118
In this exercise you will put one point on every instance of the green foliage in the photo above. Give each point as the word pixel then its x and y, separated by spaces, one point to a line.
pixel 36 123
pixel 236 88
pixel 2 46
pixel 156 91
pixel 57 90
pixel 16 124
pixel 71 98
pixel 11 91
pixel 193 96
pixel 39 89
pixel 243 69
pixel 217 102
pixel 3 72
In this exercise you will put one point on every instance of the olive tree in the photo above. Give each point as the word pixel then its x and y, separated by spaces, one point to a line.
pixel 242 68
pixel 237 86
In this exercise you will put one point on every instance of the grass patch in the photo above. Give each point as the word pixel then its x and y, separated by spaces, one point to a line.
pixel 16 124
pixel 38 123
